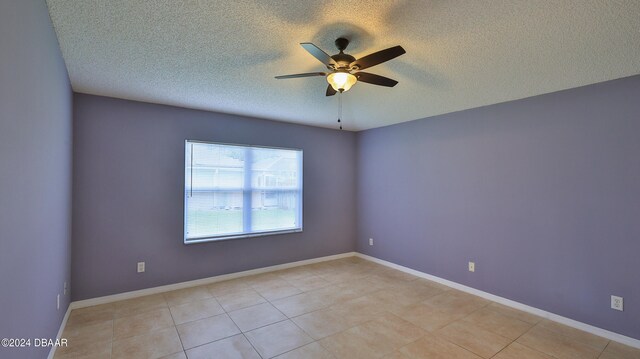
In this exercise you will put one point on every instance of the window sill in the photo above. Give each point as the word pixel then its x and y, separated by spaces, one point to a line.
pixel 239 236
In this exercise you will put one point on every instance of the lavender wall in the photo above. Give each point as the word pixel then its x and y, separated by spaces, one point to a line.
pixel 35 176
pixel 128 195
pixel 542 193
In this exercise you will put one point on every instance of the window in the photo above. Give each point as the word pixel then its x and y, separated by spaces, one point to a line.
pixel 233 191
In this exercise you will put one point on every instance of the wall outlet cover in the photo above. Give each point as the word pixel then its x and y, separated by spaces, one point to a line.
pixel 472 266
pixel 140 267
pixel 617 303
pixel 370 241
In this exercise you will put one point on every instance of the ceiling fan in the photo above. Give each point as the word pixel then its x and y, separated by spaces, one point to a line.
pixel 344 69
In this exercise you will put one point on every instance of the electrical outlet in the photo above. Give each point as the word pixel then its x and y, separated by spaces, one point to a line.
pixel 140 267
pixel 472 267
pixel 617 303
pixel 58 302
pixel 370 241
pixel 65 288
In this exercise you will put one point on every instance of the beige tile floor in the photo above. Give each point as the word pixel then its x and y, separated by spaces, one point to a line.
pixel 348 308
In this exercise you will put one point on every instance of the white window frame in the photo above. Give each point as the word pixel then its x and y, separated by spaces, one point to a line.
pixel 246 199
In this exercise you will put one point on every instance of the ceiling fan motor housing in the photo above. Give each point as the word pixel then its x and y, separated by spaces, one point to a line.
pixel 343 60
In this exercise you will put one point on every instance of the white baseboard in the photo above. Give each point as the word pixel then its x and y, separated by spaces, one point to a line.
pixel 198 282
pixel 182 285
pixel 510 303
pixel 52 352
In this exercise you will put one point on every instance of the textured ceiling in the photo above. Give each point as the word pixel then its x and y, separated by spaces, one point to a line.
pixel 222 55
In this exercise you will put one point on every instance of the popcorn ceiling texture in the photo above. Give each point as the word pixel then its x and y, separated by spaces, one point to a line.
pixel 223 55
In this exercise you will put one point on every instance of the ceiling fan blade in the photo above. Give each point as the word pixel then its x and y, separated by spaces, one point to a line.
pixel 375 79
pixel 378 57
pixel 316 52
pixel 308 74
pixel 331 91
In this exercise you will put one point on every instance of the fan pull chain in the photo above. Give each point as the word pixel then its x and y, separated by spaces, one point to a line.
pixel 340 109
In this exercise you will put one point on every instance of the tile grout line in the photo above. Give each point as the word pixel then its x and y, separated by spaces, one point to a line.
pixel 244 334
pixel 313 311
pixel 252 346
pixel 338 285
pixel 262 326
pixel 113 332
pixel 567 337
pixel 175 326
pixel 288 318
pixel 294 323
pixel 445 339
pixel 519 336
pixel 512 341
pixel 460 346
pixel 590 329
pixel 432 333
pixel 206 281
pixel 605 349
pixel 225 312
pixel 534 349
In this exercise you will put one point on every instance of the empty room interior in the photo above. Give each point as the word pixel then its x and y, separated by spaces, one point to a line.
pixel 320 179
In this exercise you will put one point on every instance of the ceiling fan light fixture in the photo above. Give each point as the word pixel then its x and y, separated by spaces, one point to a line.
pixel 341 81
pixel 344 69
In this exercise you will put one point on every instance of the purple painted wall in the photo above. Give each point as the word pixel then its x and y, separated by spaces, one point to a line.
pixel 35 176
pixel 128 195
pixel 542 193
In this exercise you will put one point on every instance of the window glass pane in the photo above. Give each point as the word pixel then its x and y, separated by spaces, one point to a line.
pixel 274 210
pixel 275 168
pixel 217 167
pixel 214 213
pixel 233 191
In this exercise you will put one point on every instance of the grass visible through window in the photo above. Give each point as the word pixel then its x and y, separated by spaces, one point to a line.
pixel 230 220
